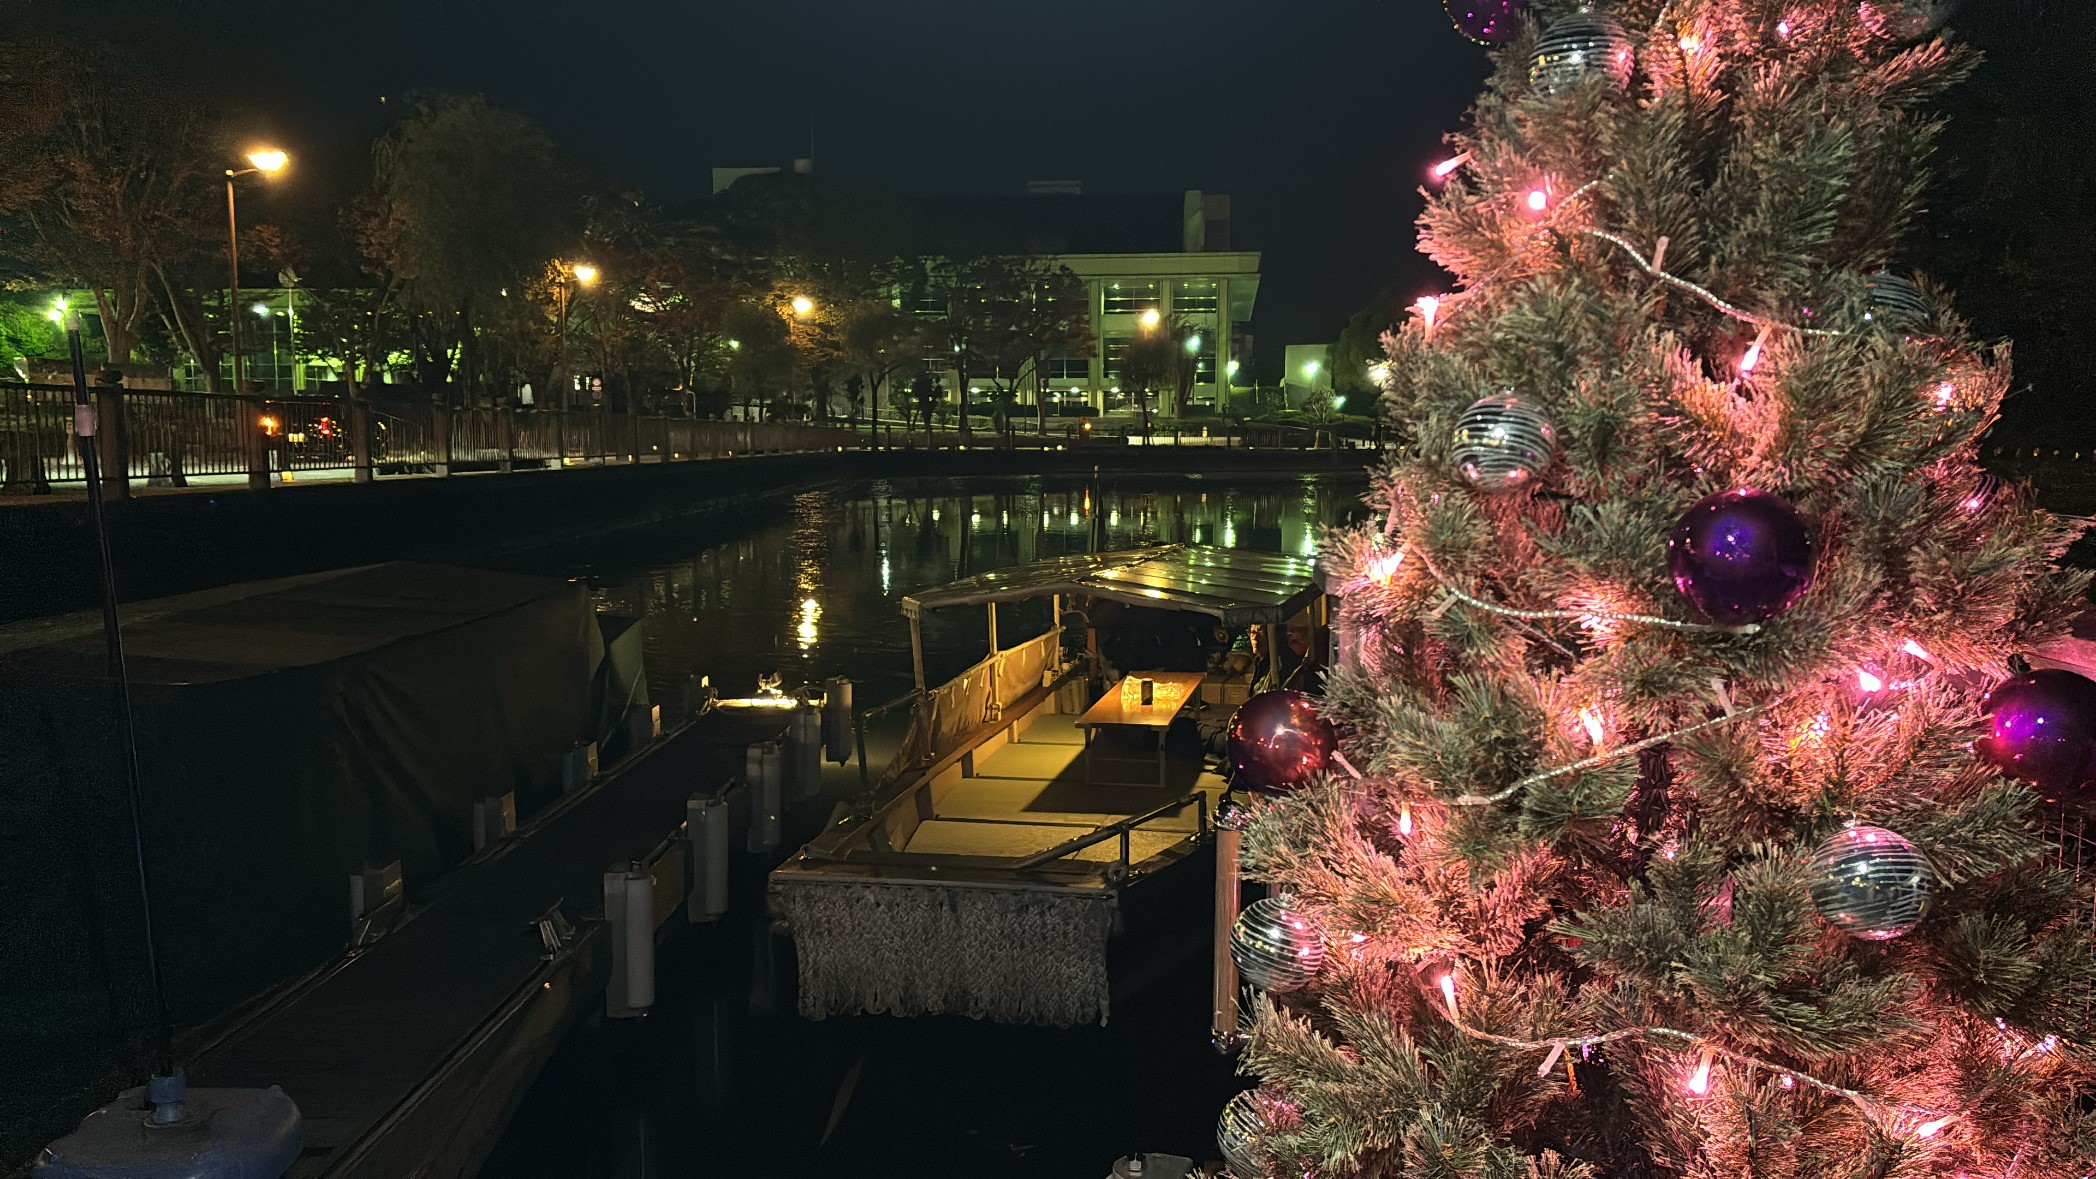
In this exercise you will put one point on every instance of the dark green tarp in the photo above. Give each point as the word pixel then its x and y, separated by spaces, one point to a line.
pixel 287 735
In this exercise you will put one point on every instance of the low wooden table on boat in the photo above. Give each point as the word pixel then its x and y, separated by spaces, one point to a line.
pixel 1122 707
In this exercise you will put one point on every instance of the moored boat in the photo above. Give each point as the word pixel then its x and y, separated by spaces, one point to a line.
pixel 1036 844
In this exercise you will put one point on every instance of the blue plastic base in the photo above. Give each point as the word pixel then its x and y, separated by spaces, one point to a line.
pixel 228 1134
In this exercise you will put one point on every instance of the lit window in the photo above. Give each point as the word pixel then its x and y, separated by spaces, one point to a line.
pixel 1130 298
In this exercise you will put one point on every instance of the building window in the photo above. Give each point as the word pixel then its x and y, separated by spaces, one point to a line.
pixel 1067 368
pixel 1196 295
pixel 1127 298
pixel 1116 350
pixel 1204 369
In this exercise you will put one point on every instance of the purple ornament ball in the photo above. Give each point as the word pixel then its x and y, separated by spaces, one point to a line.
pixel 1277 742
pixel 2043 731
pixel 1741 556
pixel 1487 22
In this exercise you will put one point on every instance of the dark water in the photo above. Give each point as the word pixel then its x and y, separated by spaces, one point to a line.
pixel 722 1078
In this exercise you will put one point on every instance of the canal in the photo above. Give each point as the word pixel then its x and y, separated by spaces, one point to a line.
pixel 722 1078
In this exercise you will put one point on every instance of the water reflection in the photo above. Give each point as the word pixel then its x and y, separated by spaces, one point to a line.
pixel 814 588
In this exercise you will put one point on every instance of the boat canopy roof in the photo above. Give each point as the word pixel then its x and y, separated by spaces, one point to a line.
pixel 1240 588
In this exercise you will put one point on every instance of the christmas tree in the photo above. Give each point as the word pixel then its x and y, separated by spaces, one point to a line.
pixel 1689 813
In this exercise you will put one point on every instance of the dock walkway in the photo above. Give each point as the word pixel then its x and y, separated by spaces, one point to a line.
pixel 409 1057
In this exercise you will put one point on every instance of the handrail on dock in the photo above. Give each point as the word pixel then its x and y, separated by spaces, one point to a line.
pixel 1120 828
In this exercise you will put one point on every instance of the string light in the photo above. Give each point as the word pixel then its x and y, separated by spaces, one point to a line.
pixel 1930 1129
pixel 1404 820
pixel 1448 992
pixel 1538 200
pixel 1917 650
pixel 1590 717
pixel 1428 307
pixel 1752 358
pixel 1944 393
pixel 1691 43
pixel 1699 1081
pixel 1445 168
pixel 1867 681
pixel 1783 29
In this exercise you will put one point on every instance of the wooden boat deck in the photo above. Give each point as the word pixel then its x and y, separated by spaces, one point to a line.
pixel 1031 794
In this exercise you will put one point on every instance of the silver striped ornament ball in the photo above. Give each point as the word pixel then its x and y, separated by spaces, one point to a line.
pixel 1276 948
pixel 1896 304
pixel 1502 443
pixel 1237 1135
pixel 1578 46
pixel 1871 883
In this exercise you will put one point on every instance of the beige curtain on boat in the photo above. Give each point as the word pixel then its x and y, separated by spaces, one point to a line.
pixel 1020 668
pixel 911 948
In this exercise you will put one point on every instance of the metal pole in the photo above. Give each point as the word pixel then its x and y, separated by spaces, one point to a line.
pixel 233 285
pixel 1222 1027
pixel 112 635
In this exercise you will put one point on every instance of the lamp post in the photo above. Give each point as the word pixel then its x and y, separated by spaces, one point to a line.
pixel 802 307
pixel 569 275
pixel 268 162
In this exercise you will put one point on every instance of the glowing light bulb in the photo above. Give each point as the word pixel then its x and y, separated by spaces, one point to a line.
pixel 1447 167
pixel 1357 938
pixel 1917 650
pixel 1448 992
pixel 1944 393
pixel 1538 200
pixel 1590 717
pixel 1783 29
pixel 1404 820
pixel 1429 309
pixel 1752 358
pixel 1868 682
pixel 1382 569
pixel 1699 1081
pixel 1691 43
pixel 1787 1081
pixel 1932 1128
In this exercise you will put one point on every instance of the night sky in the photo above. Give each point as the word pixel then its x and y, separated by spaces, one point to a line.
pixel 1317 116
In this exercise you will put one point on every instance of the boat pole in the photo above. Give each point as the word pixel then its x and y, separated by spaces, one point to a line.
pixel 917 649
pixel 1223 1023
pixel 166 1088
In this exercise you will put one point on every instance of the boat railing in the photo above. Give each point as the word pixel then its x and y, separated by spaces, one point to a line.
pixel 1119 830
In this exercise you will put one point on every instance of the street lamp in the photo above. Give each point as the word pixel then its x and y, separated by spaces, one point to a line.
pixel 803 306
pixel 583 274
pixel 267 161
pixel 1151 318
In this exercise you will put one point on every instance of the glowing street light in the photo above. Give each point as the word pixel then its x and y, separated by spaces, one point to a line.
pixel 585 273
pixel 1193 344
pixel 261 309
pixel 1151 318
pixel 58 310
pixel 803 306
pixel 268 161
